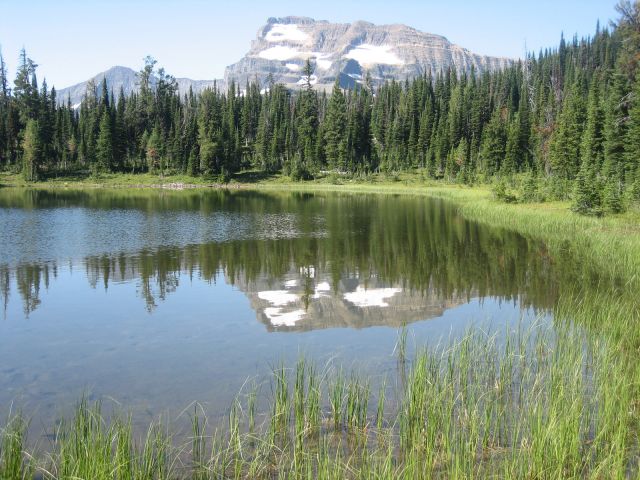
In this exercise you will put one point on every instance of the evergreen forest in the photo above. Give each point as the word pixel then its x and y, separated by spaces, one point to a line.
pixel 563 124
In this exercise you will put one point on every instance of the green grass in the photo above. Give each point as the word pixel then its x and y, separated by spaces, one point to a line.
pixel 544 403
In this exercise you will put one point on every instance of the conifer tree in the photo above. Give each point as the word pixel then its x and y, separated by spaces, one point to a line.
pixel 31 151
pixel 308 119
pixel 335 129
pixel 592 146
pixel 104 145
pixel 512 152
pixel 565 144
pixel 586 195
pixel 632 143
pixel 153 151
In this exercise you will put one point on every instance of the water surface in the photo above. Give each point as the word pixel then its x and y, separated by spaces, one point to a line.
pixel 157 299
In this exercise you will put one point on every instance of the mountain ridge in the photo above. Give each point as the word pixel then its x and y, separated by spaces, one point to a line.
pixel 349 52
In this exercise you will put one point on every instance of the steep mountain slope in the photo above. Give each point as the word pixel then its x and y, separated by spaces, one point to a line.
pixel 350 52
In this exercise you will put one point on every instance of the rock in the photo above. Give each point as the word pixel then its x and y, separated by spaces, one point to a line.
pixel 350 52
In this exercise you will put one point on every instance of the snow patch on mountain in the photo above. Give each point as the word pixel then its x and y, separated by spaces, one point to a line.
pixel 279 52
pixel 321 60
pixel 282 32
pixel 278 298
pixel 374 297
pixel 367 55
pixel 278 318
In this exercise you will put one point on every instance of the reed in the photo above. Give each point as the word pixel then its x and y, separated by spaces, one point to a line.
pixel 546 401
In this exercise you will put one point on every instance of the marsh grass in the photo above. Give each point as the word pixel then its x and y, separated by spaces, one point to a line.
pixel 15 463
pixel 549 401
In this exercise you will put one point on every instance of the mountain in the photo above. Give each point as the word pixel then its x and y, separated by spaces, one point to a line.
pixel 310 300
pixel 350 51
pixel 124 77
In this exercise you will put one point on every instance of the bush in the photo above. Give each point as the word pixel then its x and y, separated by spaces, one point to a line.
pixel 502 193
pixel 334 179
pixel 612 197
pixel 299 172
pixel 530 189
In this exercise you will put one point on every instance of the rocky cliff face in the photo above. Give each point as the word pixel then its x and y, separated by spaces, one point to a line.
pixel 350 52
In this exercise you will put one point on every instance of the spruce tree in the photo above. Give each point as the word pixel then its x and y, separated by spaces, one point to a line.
pixel 632 144
pixel 565 143
pixel 530 188
pixel 612 195
pixel 31 151
pixel 335 129
pixel 104 145
pixel 592 145
pixel 512 151
pixel 586 194
pixel 308 118
pixel 154 152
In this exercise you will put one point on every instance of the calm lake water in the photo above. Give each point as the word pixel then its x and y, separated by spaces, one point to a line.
pixel 156 299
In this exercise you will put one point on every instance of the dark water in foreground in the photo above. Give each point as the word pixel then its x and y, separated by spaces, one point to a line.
pixel 158 299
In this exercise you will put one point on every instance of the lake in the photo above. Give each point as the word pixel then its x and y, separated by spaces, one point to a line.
pixel 155 299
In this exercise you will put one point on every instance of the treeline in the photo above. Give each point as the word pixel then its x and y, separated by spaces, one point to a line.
pixel 562 124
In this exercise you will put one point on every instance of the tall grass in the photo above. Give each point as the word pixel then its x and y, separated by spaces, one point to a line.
pixel 545 402
pixel 15 463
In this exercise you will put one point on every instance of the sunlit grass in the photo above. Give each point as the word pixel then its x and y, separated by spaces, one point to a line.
pixel 537 402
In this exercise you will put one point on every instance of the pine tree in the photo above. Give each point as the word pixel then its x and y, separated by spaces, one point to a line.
pixel 153 151
pixel 586 195
pixel 592 146
pixel 104 145
pixel 31 151
pixel 334 127
pixel 632 144
pixel 512 151
pixel 308 118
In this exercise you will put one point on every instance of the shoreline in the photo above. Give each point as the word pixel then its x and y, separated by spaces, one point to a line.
pixel 612 242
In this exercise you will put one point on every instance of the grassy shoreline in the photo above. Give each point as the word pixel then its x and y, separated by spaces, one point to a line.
pixel 543 405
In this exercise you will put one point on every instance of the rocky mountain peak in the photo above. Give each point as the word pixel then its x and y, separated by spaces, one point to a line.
pixel 349 51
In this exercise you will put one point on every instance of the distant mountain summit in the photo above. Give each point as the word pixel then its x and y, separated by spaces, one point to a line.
pixel 350 51
pixel 347 51
pixel 124 77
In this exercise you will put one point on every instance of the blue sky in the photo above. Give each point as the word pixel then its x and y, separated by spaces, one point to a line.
pixel 73 40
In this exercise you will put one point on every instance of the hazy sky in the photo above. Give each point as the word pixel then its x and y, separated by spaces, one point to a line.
pixel 72 40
